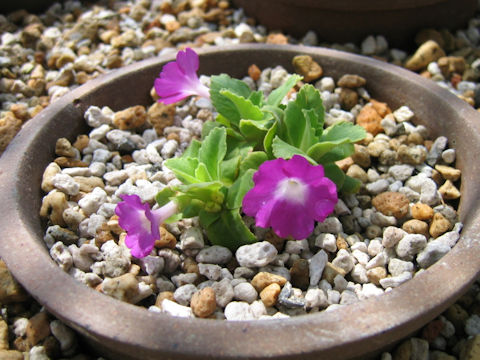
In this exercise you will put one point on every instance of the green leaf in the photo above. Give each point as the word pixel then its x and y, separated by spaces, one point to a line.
pixel 183 168
pixel 238 190
pixel 337 153
pixel 334 173
pixel 256 97
pixel 253 161
pixel 254 130
pixel 192 149
pixel 351 185
pixel 299 132
pixel 281 149
pixel 205 191
pixel 202 174
pixel 213 150
pixel 277 95
pixel 309 98
pixel 342 131
pixel 268 140
pixel 209 126
pixel 229 170
pixel 245 108
pixel 227 230
pixel 164 196
pixel 222 104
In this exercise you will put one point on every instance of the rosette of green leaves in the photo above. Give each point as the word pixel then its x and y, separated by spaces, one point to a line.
pixel 282 131
pixel 216 174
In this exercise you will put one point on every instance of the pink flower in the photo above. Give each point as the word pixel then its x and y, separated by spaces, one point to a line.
pixel 141 224
pixel 289 195
pixel 179 79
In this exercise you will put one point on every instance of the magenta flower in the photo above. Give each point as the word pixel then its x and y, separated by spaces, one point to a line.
pixel 179 79
pixel 141 224
pixel 289 195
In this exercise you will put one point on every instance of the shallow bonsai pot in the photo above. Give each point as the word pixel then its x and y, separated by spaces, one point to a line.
pixel 120 330
pixel 352 20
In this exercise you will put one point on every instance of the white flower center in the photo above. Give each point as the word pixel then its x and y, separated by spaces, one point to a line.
pixel 292 190
pixel 146 224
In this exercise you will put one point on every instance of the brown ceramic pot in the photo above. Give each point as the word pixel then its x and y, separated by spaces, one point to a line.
pixel 124 331
pixel 352 20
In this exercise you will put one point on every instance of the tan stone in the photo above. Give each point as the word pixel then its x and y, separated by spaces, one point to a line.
pixel 376 274
pixel 203 302
pixel 263 279
pixel 448 172
pixel 425 54
pixel 11 355
pixel 189 265
pixel 160 116
pixel 356 172
pixel 439 225
pixel 331 271
pixel 9 126
pixel 254 72
pixel 53 206
pixel 344 164
pixel 278 39
pixel 421 211
pixel 81 142
pixel 341 243
pixel 449 191
pixel 88 183
pixel 361 156
pixel 269 295
pixel 381 108
pixel 51 170
pixel 304 65
pixel 415 226
pixel 351 81
pixel 451 64
pixel 3 335
pixel 370 120
pixel 167 239
pixel 38 328
pixel 65 162
pixel 130 118
pixel 164 295
pixel 348 98
pixel 391 204
pixel 300 274
pixel 124 287
pixel 471 349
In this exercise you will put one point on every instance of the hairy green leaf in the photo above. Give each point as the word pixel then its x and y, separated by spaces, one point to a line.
pixel 227 230
pixel 277 95
pixel 334 173
pixel 252 161
pixel 164 196
pixel 281 149
pixel 309 98
pixel 229 169
pixel 213 150
pixel 351 185
pixel 222 104
pixel 245 108
pixel 183 168
pixel 343 131
pixel 238 190
pixel 337 153
pixel 202 174
pixel 192 149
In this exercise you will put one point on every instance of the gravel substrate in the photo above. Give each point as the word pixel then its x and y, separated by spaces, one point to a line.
pixel 42 57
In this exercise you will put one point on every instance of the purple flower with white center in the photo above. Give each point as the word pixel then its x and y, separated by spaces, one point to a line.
pixel 141 224
pixel 289 195
pixel 179 79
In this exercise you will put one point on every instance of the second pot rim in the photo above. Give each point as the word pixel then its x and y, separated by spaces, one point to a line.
pixel 109 320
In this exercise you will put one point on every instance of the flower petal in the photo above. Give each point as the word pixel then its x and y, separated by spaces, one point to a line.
pixel 188 61
pixel 299 167
pixel 179 79
pixel 289 219
pixel 140 245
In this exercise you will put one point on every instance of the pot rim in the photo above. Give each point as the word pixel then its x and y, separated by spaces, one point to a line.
pixel 363 5
pixel 110 322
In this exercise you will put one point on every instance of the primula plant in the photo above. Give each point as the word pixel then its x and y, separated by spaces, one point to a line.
pixel 270 160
